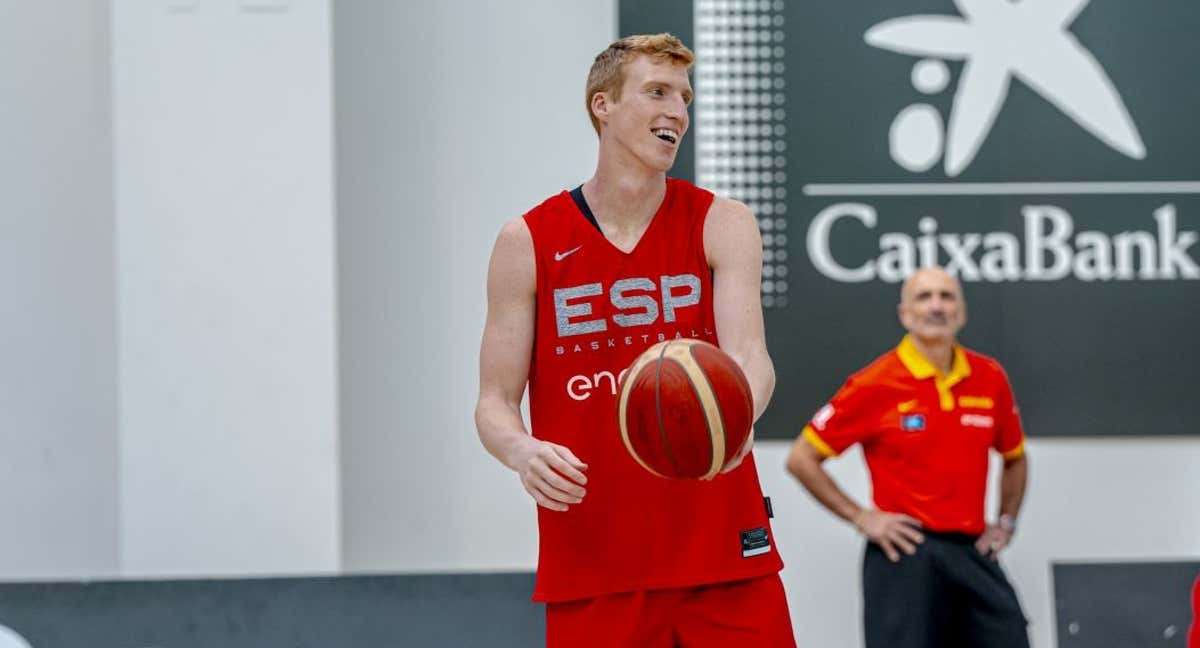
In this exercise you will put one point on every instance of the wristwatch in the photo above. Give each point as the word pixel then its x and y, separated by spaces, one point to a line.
pixel 1008 523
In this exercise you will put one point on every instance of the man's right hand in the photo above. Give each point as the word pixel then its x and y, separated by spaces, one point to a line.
pixel 893 532
pixel 551 474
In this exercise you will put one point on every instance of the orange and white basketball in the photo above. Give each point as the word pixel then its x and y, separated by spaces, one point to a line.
pixel 685 409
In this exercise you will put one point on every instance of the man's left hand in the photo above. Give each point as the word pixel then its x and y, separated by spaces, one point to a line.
pixel 993 541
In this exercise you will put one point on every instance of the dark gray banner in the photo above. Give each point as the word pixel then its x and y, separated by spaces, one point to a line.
pixel 428 611
pixel 1124 605
pixel 1042 152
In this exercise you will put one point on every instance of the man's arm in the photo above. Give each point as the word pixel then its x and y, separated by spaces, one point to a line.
pixel 550 473
pixel 1012 492
pixel 1010 443
pixel 804 462
pixel 893 532
pixel 1012 485
pixel 733 246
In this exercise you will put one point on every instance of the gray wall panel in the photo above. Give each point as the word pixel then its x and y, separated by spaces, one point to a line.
pixel 1124 605
pixel 58 383
pixel 491 611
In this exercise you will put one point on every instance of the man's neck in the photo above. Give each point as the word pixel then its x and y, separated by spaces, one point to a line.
pixel 623 193
pixel 938 351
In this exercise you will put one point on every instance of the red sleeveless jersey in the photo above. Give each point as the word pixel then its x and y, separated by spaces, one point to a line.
pixel 598 308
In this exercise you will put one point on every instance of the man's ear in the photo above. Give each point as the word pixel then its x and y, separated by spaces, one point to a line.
pixel 600 105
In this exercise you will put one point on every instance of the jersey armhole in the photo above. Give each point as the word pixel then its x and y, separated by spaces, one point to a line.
pixel 700 224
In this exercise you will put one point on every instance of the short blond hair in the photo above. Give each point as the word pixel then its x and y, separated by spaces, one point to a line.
pixel 608 74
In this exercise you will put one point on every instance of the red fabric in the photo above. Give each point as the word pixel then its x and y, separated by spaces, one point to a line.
pixel 743 613
pixel 925 461
pixel 633 530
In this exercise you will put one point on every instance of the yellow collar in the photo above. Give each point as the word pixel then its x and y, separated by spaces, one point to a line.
pixel 921 368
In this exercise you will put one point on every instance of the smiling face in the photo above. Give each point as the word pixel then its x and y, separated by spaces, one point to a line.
pixel 637 97
pixel 647 118
pixel 932 307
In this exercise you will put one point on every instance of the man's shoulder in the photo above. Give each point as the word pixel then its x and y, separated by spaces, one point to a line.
pixel 982 360
pixel 514 249
pixel 551 205
pixel 730 231
pixel 548 220
pixel 680 185
pixel 879 371
pixel 725 209
pixel 514 232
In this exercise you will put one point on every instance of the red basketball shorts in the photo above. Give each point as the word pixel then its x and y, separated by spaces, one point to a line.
pixel 740 613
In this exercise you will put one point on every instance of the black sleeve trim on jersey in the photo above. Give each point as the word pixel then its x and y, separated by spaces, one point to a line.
pixel 577 196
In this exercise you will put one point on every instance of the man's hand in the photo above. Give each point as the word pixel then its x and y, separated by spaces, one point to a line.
pixel 736 460
pixel 993 541
pixel 893 532
pixel 551 474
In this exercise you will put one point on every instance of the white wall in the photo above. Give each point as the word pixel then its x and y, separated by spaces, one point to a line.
pixel 452 117
pixel 225 266
pixel 58 428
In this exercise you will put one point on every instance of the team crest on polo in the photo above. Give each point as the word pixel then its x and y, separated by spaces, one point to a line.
pixel 912 422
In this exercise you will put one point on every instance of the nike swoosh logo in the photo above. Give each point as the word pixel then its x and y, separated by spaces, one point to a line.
pixel 559 256
pixel 907 406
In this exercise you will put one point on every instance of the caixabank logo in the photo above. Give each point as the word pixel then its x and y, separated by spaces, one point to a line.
pixel 1031 134
pixel 1052 62
pixel 1044 151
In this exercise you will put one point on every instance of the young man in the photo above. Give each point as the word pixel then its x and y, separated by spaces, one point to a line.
pixel 577 289
pixel 927 414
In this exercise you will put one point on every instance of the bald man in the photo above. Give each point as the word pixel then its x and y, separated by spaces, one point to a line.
pixel 927 414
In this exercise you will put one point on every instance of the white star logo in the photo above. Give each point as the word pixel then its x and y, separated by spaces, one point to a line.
pixel 1000 40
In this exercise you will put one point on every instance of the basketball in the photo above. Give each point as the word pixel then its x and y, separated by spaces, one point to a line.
pixel 685 409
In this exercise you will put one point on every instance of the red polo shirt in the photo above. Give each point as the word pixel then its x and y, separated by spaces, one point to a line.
pixel 925 435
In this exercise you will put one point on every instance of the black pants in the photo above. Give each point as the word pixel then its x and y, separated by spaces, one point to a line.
pixel 946 595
